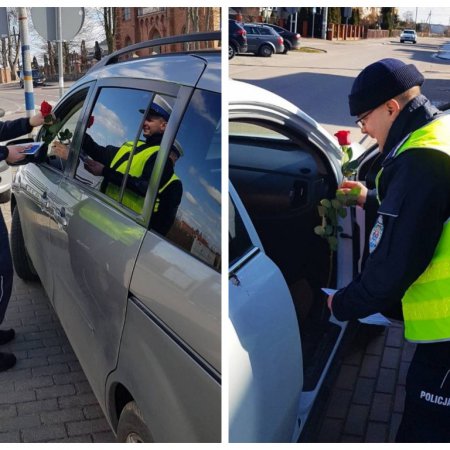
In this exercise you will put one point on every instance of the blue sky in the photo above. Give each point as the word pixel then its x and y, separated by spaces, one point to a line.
pixel 438 15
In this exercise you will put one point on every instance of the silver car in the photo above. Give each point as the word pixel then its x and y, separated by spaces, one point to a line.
pixel 140 306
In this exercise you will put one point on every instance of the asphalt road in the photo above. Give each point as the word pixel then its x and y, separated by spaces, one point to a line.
pixel 319 83
pixel 12 98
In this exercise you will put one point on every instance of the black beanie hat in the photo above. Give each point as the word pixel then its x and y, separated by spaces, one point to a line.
pixel 380 82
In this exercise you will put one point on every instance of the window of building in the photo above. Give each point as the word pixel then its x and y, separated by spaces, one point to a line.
pixel 126 13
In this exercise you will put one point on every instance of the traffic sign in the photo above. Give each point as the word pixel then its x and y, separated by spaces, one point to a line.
pixel 45 22
pixel 3 23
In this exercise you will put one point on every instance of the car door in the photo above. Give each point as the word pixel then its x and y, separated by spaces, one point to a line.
pixel 37 186
pixel 252 38
pixel 96 238
pixel 176 291
pixel 265 361
pixel 281 164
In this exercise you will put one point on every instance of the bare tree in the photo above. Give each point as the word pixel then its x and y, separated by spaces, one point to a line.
pixel 13 43
pixel 110 23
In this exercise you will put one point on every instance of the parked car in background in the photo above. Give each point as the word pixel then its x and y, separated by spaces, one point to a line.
pixel 38 78
pixel 263 40
pixel 237 38
pixel 140 306
pixel 408 36
pixel 291 40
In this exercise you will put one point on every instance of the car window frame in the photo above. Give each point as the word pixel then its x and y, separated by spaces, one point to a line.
pixel 62 107
pixel 153 87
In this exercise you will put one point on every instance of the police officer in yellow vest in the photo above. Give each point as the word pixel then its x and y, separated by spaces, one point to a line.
pixel 111 163
pixel 409 260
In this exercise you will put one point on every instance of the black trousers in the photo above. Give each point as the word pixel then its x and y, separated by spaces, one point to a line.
pixel 6 269
pixel 426 416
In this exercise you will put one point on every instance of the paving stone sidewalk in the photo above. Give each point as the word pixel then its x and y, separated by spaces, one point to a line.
pixel 366 399
pixel 45 397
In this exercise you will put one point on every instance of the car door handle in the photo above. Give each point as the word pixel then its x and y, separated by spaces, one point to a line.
pixel 234 279
pixel 60 217
pixel 44 202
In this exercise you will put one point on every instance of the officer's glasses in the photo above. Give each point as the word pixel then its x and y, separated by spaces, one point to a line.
pixel 361 122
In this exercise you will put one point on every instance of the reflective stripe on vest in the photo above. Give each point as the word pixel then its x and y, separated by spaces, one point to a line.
pixel 130 199
pixel 426 304
pixel 173 178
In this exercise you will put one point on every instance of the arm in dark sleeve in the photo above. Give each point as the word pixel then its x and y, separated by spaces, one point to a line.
pixel 170 200
pixel 12 129
pixel 418 192
pixel 371 200
pixel 97 152
pixel 139 185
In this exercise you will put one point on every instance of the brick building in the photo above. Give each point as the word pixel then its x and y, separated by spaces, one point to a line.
pixel 141 24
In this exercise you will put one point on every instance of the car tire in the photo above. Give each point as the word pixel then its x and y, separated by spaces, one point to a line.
pixel 401 42
pixel 265 51
pixel 132 427
pixel 231 51
pixel 5 197
pixel 21 260
pixel 287 47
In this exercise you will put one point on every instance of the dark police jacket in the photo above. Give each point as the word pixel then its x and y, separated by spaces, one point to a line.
pixel 12 129
pixel 169 199
pixel 415 203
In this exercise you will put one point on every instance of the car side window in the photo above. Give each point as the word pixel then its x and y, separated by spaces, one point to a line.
pixel 264 31
pixel 110 137
pixel 63 130
pixel 239 239
pixel 254 130
pixel 189 210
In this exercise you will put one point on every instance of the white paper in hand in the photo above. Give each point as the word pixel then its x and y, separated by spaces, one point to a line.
pixel 374 319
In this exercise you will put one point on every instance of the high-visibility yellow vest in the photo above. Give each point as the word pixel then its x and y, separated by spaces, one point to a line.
pixel 426 304
pixel 131 199
pixel 173 178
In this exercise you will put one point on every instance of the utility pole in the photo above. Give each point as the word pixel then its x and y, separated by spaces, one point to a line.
pixel 324 22
pixel 60 51
pixel 26 62
pixel 415 27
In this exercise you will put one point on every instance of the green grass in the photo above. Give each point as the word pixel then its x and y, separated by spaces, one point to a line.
pixel 309 50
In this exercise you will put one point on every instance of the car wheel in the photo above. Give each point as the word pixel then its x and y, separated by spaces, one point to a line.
pixel 401 42
pixel 22 262
pixel 287 47
pixel 414 42
pixel 231 51
pixel 132 427
pixel 266 51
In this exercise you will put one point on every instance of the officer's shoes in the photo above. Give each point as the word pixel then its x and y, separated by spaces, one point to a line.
pixel 6 336
pixel 7 360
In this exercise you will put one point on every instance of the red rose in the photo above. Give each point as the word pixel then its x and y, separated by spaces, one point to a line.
pixel 343 137
pixel 90 122
pixel 46 108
